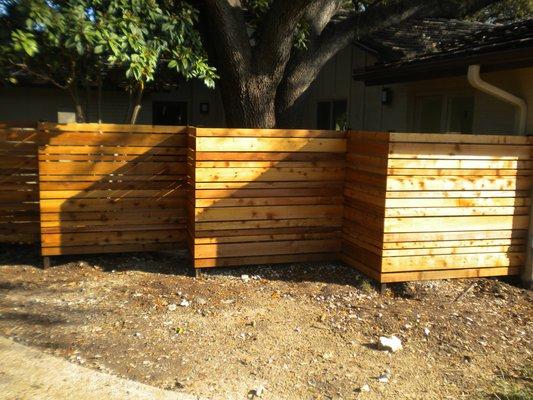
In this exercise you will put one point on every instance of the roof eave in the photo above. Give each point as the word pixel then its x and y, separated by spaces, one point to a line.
pixel 503 56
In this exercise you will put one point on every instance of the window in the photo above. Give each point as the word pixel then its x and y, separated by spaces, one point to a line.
pixel 429 113
pixel 331 114
pixel 460 114
pixel 444 114
pixel 169 113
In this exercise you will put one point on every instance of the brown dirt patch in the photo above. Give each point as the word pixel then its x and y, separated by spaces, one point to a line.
pixel 301 331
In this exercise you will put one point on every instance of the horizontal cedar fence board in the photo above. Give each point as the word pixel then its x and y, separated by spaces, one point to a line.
pixel 448 274
pixel 277 144
pixel 19 189
pixel 107 128
pixel 107 188
pixel 263 133
pixel 458 138
pixel 265 198
pixel 284 156
pixel 108 248
pixel 267 201
pixel 433 206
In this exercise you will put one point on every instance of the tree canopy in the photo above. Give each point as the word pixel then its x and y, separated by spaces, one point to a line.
pixel 74 43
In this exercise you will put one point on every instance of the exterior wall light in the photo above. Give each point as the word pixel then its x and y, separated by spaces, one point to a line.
pixel 386 96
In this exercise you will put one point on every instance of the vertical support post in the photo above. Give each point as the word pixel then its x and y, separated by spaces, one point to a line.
pixel 46 262
pixel 527 273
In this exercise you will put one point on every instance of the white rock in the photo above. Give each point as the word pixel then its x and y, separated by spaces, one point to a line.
pixel 245 278
pixel 364 388
pixel 185 303
pixel 384 378
pixel 258 391
pixel 426 332
pixel 172 307
pixel 201 300
pixel 391 343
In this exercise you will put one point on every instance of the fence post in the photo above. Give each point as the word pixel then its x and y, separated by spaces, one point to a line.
pixel 527 273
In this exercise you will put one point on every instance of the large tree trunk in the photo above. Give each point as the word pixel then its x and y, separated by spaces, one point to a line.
pixel 249 105
pixel 250 75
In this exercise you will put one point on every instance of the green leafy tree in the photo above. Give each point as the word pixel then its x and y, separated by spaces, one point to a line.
pixel 72 44
pixel 138 35
pixel 53 43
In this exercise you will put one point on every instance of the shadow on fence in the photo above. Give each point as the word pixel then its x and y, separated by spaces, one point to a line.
pixel 111 189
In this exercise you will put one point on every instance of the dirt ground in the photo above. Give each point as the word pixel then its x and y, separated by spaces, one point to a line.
pixel 290 332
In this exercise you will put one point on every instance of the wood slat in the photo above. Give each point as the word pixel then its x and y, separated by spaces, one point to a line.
pixel 260 144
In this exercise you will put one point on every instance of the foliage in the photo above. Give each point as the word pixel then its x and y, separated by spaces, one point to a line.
pixel 138 34
pixel 255 12
pixel 505 11
pixel 517 388
pixel 49 41
pixel 70 43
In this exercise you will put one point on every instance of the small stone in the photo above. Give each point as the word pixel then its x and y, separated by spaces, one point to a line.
pixel 172 307
pixel 364 388
pixel 384 378
pixel 392 343
pixel 426 332
pixel 245 278
pixel 185 303
pixel 258 391
pixel 201 300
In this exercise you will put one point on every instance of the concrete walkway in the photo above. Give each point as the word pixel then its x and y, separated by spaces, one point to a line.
pixel 28 374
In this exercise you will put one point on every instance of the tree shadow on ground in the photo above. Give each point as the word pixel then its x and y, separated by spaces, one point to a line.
pixel 167 262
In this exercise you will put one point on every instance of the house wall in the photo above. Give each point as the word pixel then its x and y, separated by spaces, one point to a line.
pixel 491 116
pixel 43 104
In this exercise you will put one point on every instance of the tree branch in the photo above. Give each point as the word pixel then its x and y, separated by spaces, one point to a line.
pixel 46 78
pixel 320 13
pixel 227 32
pixel 276 36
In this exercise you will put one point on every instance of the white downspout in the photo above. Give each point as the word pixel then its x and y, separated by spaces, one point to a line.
pixel 478 83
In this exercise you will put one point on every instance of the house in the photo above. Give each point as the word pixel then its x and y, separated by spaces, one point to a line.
pixel 189 103
pixel 414 78
pixel 411 77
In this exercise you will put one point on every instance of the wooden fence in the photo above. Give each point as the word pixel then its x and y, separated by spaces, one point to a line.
pixel 19 190
pixel 266 196
pixel 111 188
pixel 396 206
pixel 427 206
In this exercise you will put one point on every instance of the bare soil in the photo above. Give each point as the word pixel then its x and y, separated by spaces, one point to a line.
pixel 298 331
